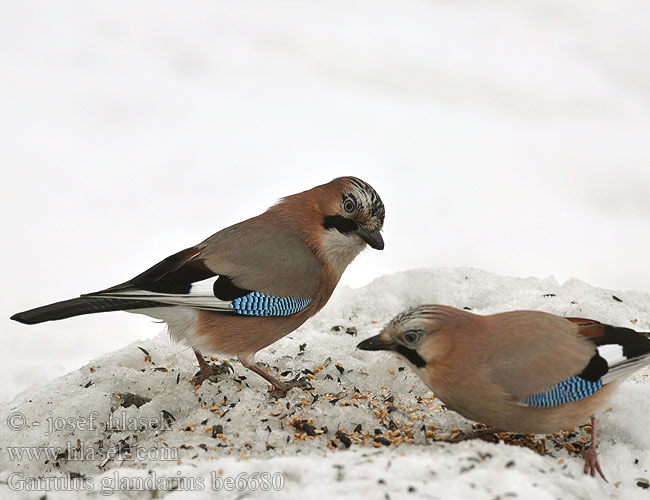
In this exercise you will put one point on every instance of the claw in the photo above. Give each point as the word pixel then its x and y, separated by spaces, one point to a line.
pixel 591 455
pixel 483 434
pixel 208 370
pixel 281 388
pixel 591 463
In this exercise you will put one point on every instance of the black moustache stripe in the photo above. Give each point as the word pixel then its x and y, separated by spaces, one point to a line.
pixel 412 355
pixel 339 223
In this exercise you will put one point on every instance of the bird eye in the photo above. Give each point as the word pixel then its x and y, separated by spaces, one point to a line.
pixel 411 337
pixel 349 205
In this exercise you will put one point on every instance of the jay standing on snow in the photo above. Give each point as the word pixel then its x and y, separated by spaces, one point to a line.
pixel 520 371
pixel 252 283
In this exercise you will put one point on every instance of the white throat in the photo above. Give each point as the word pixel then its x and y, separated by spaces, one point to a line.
pixel 341 249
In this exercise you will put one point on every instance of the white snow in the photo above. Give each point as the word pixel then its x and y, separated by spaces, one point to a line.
pixel 257 435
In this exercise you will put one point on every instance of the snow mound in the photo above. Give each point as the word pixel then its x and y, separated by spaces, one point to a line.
pixel 132 423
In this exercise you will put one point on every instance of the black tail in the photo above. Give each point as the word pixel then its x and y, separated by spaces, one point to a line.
pixel 78 307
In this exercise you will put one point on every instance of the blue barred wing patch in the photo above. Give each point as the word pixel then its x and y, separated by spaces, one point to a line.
pixel 259 304
pixel 571 389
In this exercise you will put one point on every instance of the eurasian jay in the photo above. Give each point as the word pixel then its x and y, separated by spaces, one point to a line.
pixel 252 283
pixel 519 371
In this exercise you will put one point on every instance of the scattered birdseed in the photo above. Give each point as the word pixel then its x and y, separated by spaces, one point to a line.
pixel 642 482
pixel 344 438
pixel 130 399
pixel 351 331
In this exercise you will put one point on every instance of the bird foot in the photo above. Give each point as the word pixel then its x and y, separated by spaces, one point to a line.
pixel 591 455
pixel 591 463
pixel 281 388
pixel 212 373
pixel 209 370
pixel 481 433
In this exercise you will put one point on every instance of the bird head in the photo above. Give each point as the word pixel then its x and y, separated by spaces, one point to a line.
pixel 352 217
pixel 418 335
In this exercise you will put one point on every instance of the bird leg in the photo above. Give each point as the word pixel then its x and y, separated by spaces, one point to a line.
pixel 591 455
pixel 206 370
pixel 280 388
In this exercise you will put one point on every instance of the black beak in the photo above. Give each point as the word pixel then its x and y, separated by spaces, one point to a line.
pixel 373 239
pixel 376 343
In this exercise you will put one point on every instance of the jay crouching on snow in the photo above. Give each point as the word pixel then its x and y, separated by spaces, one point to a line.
pixel 252 283
pixel 519 371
